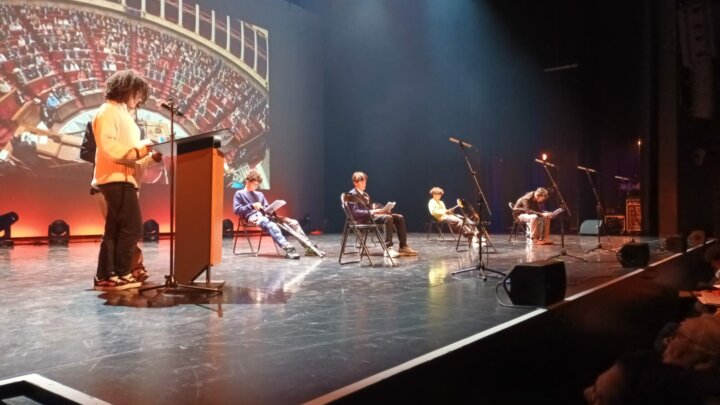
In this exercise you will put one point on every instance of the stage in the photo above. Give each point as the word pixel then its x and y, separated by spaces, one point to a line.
pixel 283 331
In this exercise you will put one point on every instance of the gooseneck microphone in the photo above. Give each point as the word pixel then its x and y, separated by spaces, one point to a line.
pixel 545 162
pixel 459 142
pixel 171 108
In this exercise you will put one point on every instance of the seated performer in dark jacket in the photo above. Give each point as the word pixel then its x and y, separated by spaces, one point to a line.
pixel 249 204
pixel 530 209
pixel 364 212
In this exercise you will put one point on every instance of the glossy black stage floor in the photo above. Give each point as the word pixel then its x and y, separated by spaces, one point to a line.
pixel 283 332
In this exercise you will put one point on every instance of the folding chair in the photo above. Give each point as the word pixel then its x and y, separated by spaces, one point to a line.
pixel 439 225
pixel 243 227
pixel 482 231
pixel 518 227
pixel 360 230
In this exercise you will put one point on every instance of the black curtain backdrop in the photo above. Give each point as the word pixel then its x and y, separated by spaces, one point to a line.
pixel 380 86
pixel 515 79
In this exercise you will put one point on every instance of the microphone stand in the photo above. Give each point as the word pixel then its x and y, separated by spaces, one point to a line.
pixel 171 284
pixel 563 253
pixel 600 214
pixel 483 231
pixel 482 202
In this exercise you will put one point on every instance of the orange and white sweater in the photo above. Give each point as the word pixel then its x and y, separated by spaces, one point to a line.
pixel 120 155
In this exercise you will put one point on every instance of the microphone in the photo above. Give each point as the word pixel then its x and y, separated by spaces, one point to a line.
pixel 622 178
pixel 587 169
pixel 545 162
pixel 171 108
pixel 459 142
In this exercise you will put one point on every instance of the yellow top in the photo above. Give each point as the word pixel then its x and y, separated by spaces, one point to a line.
pixel 437 208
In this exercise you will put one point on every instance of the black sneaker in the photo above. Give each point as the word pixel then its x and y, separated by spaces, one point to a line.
pixel 290 253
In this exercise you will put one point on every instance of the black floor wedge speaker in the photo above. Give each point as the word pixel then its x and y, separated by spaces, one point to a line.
pixel 634 254
pixel 539 283
pixel 676 243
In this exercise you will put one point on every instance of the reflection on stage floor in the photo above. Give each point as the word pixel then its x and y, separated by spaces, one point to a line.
pixel 283 331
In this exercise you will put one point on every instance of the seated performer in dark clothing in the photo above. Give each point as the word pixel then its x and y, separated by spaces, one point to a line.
pixel 364 211
pixel 530 209
pixel 249 204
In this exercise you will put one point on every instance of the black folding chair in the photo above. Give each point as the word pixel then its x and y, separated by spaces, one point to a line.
pixel 360 230
pixel 439 225
pixel 242 227
pixel 518 227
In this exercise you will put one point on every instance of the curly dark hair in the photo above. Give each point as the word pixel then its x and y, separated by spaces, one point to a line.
pixel 123 84
pixel 253 175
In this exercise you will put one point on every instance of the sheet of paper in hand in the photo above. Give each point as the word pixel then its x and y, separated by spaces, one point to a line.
pixel 556 213
pixel 710 297
pixel 270 209
pixel 389 206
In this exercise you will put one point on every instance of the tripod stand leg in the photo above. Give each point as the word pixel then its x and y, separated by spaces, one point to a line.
pixel 488 240
pixel 563 253
pixel 173 286
pixel 599 246
pixel 162 288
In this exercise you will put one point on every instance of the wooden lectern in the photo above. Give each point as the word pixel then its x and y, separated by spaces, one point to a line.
pixel 198 202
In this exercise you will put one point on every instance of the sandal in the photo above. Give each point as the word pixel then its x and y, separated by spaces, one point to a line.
pixel 140 274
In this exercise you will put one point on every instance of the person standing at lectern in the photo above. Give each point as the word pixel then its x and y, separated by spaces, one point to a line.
pixel 119 157
pixel 137 265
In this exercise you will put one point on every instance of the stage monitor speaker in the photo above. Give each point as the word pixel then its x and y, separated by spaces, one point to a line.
pixel 696 237
pixel 539 283
pixel 615 224
pixel 228 229
pixel 151 231
pixel 676 243
pixel 590 227
pixel 634 254
pixel 6 221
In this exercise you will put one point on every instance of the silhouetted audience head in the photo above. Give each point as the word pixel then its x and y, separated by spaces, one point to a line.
pixel 642 378
pixel 712 256
pixel 695 344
